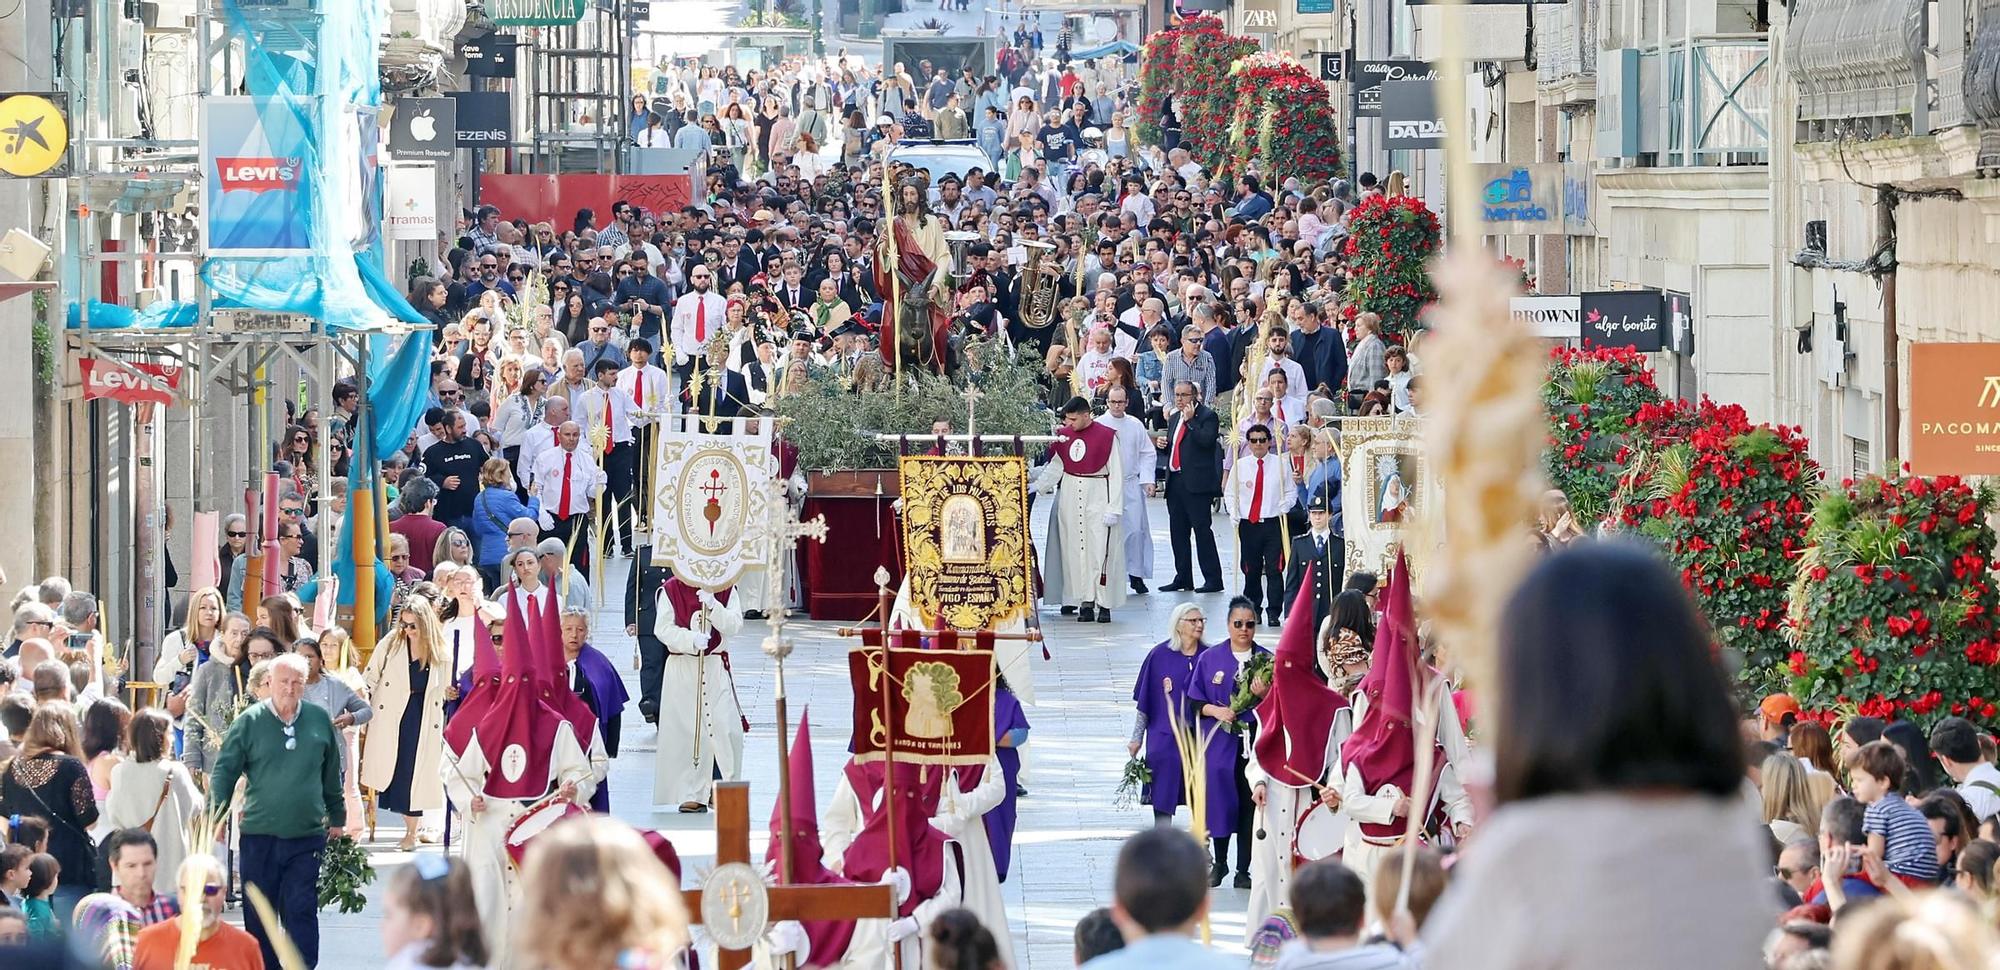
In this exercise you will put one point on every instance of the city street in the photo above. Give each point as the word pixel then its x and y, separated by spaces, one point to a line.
pixel 1069 832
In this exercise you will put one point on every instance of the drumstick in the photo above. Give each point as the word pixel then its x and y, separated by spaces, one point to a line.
pixel 1318 790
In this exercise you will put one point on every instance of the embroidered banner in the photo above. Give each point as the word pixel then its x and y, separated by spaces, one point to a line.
pixel 965 539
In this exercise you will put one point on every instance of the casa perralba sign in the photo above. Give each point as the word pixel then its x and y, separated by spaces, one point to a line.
pixel 965 539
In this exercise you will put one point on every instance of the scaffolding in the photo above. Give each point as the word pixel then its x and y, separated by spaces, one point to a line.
pixel 580 90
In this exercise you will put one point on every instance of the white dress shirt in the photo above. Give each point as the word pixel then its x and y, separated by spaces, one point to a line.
pixel 595 403
pixel 586 482
pixel 655 390
pixel 1278 491
pixel 681 331
pixel 534 441
pixel 1294 408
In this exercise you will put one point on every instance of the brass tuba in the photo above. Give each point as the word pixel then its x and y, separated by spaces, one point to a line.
pixel 1038 286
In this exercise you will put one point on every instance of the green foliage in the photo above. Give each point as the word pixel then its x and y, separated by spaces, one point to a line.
pixel 833 426
pixel 1594 397
pixel 344 875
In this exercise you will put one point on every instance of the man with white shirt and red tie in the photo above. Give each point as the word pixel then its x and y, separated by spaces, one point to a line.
pixel 698 314
pixel 541 438
pixel 605 407
pixel 567 480
pixel 1260 493
pixel 650 392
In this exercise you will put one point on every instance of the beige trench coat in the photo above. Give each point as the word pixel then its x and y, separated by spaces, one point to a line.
pixel 388 679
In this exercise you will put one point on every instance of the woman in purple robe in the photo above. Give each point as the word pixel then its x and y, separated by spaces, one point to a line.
pixel 1223 761
pixel 1010 731
pixel 1164 679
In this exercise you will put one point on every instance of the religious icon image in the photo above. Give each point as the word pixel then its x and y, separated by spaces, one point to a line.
pixel 711 502
pixel 932 692
pixel 1391 495
pixel 964 531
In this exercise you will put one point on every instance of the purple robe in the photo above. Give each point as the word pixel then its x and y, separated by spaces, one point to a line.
pixel 1164 664
pixel 1007 716
pixel 597 682
pixel 1222 761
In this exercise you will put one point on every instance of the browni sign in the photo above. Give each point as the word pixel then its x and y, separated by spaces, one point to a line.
pixel 1955 409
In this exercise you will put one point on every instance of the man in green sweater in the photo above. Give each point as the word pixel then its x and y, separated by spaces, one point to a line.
pixel 288 755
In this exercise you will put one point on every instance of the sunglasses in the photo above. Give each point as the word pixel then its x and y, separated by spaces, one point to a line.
pixel 1260 441
pixel 1242 624
pixel 211 889
pixel 238 535
pixel 402 557
pixel 293 509
pixel 291 731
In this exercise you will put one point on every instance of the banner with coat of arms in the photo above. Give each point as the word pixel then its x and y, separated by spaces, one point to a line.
pixel 711 502
pixel 965 536
pixel 927 706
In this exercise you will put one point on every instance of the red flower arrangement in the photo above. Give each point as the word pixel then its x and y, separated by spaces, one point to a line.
pixel 1156 69
pixel 1730 503
pixel 1893 607
pixel 1389 246
pixel 1203 97
pixel 1285 120
pixel 1594 398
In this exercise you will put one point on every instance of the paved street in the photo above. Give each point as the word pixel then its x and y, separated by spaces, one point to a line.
pixel 1069 832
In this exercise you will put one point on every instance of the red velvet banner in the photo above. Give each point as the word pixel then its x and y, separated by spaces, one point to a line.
pixel 555 199
pixel 940 703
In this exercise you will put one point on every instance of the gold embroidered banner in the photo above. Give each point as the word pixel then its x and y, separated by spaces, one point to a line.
pixel 965 539
pixel 928 706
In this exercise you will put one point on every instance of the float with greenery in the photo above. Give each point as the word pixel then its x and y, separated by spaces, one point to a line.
pixel 1390 242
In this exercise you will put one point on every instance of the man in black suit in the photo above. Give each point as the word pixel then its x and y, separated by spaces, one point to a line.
pixel 641 611
pixel 1194 479
pixel 1317 348
pixel 1322 548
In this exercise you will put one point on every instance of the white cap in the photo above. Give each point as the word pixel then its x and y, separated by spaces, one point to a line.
pixel 885 120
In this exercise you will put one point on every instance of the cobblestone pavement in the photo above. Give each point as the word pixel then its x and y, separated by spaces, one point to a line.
pixel 1069 831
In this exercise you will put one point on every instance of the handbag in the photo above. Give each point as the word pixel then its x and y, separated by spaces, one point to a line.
pixel 166 788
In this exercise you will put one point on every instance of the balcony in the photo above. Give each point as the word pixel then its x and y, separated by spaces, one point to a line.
pixel 1566 52
pixel 1699 103
pixel 1859 66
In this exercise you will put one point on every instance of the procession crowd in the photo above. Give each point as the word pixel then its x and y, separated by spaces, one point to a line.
pixel 1191 341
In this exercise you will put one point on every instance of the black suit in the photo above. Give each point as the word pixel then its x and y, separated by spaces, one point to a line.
pixel 1321 356
pixel 642 611
pixel 1328 561
pixel 1190 491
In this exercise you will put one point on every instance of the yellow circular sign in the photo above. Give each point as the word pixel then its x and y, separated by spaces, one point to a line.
pixel 34 138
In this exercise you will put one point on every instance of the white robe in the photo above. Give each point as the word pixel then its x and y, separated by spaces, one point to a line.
pixel 1361 855
pixel 869 950
pixel 495 884
pixel 752 588
pixel 1137 454
pixel 1010 657
pixel 701 726
pixel 962 815
pixel 1091 555
pixel 1284 804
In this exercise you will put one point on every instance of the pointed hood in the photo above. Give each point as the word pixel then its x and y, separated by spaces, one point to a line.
pixel 486 667
pixel 1383 747
pixel 516 727
pixel 920 846
pixel 828 938
pixel 554 671
pixel 1294 720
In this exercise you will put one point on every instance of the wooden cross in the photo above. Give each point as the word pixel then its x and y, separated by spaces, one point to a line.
pixel 732 844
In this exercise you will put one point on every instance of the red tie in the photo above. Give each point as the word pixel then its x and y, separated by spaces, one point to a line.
pixel 700 319
pixel 1174 457
pixel 1257 497
pixel 562 502
pixel 607 423
pixel 639 388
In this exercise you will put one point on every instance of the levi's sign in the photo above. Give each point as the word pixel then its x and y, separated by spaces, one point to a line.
pixel 131 383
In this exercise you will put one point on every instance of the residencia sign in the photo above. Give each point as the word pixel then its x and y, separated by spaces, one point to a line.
pixel 1955 409
pixel 535 13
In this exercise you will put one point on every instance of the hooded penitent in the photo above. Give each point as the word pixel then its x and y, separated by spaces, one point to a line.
pixel 1295 718
pixel 515 726
pixel 828 938
pixel 920 847
pixel 1383 747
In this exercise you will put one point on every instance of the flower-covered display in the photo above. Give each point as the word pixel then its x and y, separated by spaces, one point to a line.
pixel 1893 606
pixel 1730 503
pixel 1156 70
pixel 1203 96
pixel 1390 242
pixel 1283 119
pixel 1594 398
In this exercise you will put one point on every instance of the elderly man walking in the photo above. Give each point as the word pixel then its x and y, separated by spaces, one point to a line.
pixel 288 754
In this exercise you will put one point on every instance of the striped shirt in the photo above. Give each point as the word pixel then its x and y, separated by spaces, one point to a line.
pixel 1909 847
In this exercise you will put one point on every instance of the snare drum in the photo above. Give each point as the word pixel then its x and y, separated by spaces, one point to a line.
pixel 1321 833
pixel 535 821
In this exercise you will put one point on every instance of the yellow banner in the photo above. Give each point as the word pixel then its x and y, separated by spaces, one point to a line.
pixel 965 539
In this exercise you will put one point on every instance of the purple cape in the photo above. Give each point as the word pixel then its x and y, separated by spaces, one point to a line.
pixel 1222 761
pixel 1164 664
pixel 1007 716
pixel 606 695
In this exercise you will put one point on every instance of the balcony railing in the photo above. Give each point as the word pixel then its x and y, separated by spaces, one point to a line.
pixel 1703 102
pixel 1565 41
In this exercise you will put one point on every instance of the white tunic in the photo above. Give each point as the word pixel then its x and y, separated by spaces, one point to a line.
pixel 1092 563
pixel 1285 802
pixel 701 726
pixel 495 886
pixel 1359 853
pixel 1138 456
pixel 869 950
pixel 962 815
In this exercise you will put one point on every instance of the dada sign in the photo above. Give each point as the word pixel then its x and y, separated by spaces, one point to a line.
pixel 1625 318
pixel 1520 199
pixel 129 382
